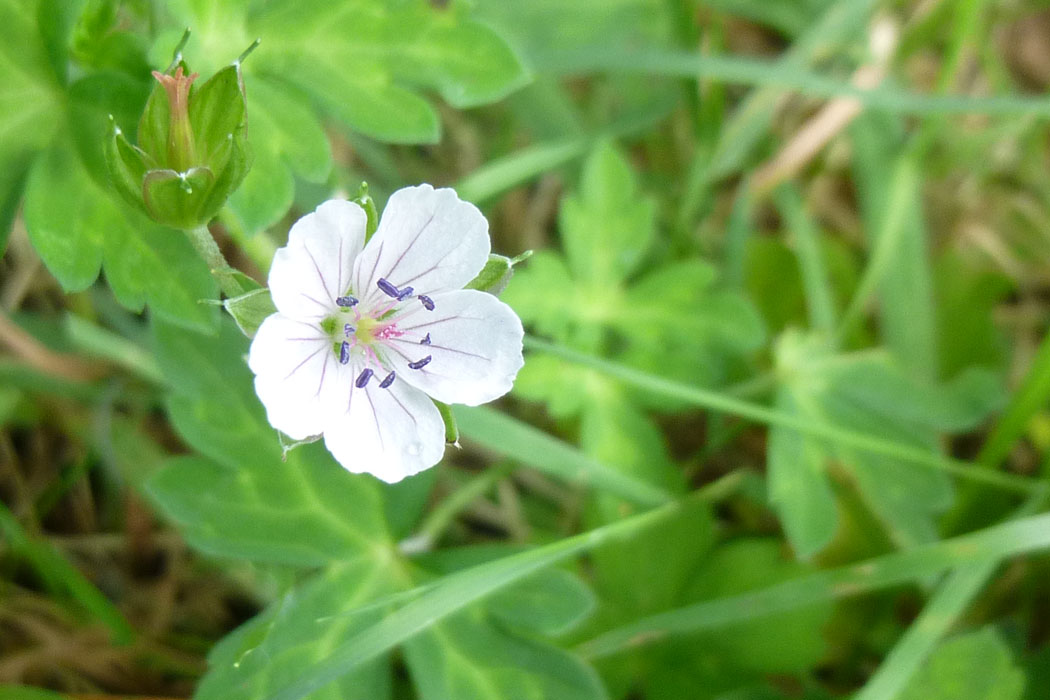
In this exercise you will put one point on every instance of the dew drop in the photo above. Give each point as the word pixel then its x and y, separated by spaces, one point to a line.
pixel 414 449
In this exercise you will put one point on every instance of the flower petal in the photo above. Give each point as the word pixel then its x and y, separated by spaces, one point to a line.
pixel 390 433
pixel 292 361
pixel 314 268
pixel 427 239
pixel 474 345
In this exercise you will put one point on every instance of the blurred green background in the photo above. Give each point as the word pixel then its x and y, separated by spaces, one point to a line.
pixel 783 423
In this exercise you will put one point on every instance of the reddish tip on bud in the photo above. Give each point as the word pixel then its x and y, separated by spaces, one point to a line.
pixel 181 146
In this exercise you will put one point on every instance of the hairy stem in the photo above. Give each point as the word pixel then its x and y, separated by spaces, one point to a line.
pixel 208 249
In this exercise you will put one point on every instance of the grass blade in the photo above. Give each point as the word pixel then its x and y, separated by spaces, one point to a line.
pixel 819 298
pixel 458 590
pixel 790 78
pixel 512 438
pixel 983 547
pixel 63 578
pixel 939 614
pixel 717 401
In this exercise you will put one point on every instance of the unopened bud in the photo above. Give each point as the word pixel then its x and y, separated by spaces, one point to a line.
pixel 192 148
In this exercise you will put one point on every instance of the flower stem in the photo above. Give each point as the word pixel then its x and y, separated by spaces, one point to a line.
pixel 208 249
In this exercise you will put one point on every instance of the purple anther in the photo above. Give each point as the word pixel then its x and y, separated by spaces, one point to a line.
pixel 404 293
pixel 420 364
pixel 348 329
pixel 344 352
pixel 387 382
pixel 363 378
pixel 346 302
pixel 387 288
pixel 426 340
pixel 427 302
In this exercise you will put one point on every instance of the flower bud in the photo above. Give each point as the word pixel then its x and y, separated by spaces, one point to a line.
pixel 192 148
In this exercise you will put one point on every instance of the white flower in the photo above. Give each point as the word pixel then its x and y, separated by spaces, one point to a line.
pixel 365 335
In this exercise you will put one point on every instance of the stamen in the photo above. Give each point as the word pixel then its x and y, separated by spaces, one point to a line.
pixel 363 378
pixel 426 340
pixel 427 302
pixel 387 288
pixel 344 352
pixel 348 329
pixel 420 364
pixel 404 293
pixel 346 302
pixel 387 382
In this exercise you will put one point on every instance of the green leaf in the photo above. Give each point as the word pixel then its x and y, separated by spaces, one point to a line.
pixel 61 578
pixel 864 392
pixel 537 293
pixel 298 631
pixel 29 92
pixel 250 310
pixel 370 83
pixel 906 303
pixel 974 666
pixel 24 692
pixel 758 645
pixel 674 548
pixel 549 603
pixel 607 226
pixel 528 445
pixel 466 658
pixel 76 228
pixel 496 274
pixel 989 545
pixel 303 511
pixel 582 25
pixel 686 326
pixel 286 137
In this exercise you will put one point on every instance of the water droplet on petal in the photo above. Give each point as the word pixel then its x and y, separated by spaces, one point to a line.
pixel 414 448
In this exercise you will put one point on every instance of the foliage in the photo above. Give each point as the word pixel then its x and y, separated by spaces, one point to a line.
pixel 782 427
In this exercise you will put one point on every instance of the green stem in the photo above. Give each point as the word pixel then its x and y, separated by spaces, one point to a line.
pixel 446 511
pixel 208 249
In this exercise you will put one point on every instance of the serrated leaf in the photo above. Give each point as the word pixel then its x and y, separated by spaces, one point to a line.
pixel 974 666
pixel 537 292
pixel 607 225
pixel 76 227
pixel 369 83
pixel 303 511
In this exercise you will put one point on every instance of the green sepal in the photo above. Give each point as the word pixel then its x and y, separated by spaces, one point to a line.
pixel 451 429
pixel 250 310
pixel 365 201
pixel 127 166
pixel 496 274
pixel 176 199
pixel 217 111
pixel 155 122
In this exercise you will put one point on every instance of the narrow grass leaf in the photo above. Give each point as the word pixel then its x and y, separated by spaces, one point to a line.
pixel 455 592
pixel 989 545
pixel 793 78
pixel 721 402
pixel 512 438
